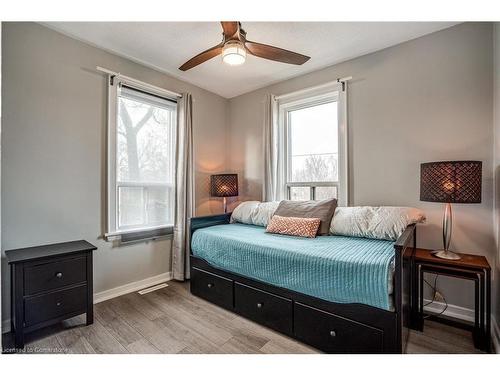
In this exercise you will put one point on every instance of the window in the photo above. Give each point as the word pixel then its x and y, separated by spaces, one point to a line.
pixel 141 155
pixel 314 143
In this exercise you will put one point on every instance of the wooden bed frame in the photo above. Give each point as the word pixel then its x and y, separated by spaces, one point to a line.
pixel 328 326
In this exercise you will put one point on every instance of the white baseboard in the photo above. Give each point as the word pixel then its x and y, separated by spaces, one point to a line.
pixel 131 287
pixel 453 311
pixel 116 292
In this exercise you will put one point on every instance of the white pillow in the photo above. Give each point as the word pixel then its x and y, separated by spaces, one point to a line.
pixel 242 213
pixel 384 223
pixel 254 212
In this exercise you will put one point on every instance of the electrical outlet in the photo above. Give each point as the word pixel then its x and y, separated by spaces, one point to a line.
pixel 438 296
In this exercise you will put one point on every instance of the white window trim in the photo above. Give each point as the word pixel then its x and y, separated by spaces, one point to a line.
pixel 114 82
pixel 335 91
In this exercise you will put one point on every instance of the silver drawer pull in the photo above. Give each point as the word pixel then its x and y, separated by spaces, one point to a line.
pixel 259 305
pixel 333 333
pixel 210 285
pixel 59 275
pixel 58 304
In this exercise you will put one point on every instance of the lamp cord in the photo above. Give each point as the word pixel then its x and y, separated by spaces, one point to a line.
pixel 434 290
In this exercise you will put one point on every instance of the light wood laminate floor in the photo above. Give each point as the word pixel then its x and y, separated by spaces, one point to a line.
pixel 171 320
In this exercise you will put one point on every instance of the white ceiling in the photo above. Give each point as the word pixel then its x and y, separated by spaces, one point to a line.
pixel 167 45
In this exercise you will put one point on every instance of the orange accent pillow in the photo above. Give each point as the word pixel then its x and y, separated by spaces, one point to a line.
pixel 294 226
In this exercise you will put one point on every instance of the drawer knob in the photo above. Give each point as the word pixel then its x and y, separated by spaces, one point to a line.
pixel 259 305
pixel 210 285
pixel 333 333
pixel 59 275
pixel 58 304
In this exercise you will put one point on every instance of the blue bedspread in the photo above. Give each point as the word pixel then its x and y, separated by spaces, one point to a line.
pixel 333 268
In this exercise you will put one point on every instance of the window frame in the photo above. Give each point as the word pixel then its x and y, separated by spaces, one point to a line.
pixel 113 232
pixel 330 94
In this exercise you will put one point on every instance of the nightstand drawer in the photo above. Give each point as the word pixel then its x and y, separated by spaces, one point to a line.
pixel 52 275
pixel 54 304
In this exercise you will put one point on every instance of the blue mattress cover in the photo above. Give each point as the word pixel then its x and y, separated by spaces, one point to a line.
pixel 334 268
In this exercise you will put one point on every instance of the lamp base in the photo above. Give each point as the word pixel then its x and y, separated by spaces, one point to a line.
pixel 446 254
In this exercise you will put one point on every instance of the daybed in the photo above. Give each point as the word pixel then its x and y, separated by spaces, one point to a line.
pixel 339 294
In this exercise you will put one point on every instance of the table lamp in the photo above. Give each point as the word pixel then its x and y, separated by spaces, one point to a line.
pixel 224 185
pixel 450 182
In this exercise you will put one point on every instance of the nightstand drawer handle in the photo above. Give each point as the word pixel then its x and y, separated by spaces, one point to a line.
pixel 59 275
pixel 58 304
pixel 259 305
pixel 210 285
pixel 333 333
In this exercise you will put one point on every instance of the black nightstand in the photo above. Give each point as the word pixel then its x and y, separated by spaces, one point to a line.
pixel 49 283
pixel 470 267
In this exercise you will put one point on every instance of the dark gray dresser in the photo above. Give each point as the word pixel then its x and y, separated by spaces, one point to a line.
pixel 49 283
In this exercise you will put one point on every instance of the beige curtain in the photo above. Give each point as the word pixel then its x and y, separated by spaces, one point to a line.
pixel 270 190
pixel 184 192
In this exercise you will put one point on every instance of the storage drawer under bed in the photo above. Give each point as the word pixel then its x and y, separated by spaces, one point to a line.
pixel 335 334
pixel 265 308
pixel 213 288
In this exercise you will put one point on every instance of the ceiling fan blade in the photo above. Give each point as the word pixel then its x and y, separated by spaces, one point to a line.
pixel 202 57
pixel 274 53
pixel 230 28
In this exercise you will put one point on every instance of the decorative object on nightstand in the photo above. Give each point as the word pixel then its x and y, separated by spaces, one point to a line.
pixel 224 185
pixel 469 267
pixel 450 182
pixel 49 283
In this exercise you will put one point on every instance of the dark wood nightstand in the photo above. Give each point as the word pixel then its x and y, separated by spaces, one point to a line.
pixel 49 283
pixel 470 267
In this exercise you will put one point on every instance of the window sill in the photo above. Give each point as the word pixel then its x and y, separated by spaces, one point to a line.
pixel 140 235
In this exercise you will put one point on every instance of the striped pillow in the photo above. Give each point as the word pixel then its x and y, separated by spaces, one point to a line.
pixel 294 226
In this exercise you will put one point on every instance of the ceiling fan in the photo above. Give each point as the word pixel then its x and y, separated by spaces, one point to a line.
pixel 235 46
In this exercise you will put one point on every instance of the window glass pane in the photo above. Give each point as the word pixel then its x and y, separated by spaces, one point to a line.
pixel 313 144
pixel 130 206
pixel 145 206
pixel 159 210
pixel 300 193
pixel 325 192
pixel 144 141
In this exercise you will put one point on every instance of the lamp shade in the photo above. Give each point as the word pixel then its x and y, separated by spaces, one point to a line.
pixel 451 181
pixel 224 185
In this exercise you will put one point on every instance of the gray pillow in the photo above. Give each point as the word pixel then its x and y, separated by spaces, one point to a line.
pixel 313 209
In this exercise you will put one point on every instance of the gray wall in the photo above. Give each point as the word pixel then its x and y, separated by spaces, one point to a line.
pixel 423 100
pixel 53 150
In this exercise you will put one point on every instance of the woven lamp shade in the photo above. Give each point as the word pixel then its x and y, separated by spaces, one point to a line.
pixel 451 181
pixel 224 185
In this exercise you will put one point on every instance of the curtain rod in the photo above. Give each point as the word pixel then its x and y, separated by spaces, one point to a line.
pixel 133 80
pixel 312 88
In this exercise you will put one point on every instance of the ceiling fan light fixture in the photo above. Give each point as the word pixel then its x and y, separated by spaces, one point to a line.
pixel 235 46
pixel 234 53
